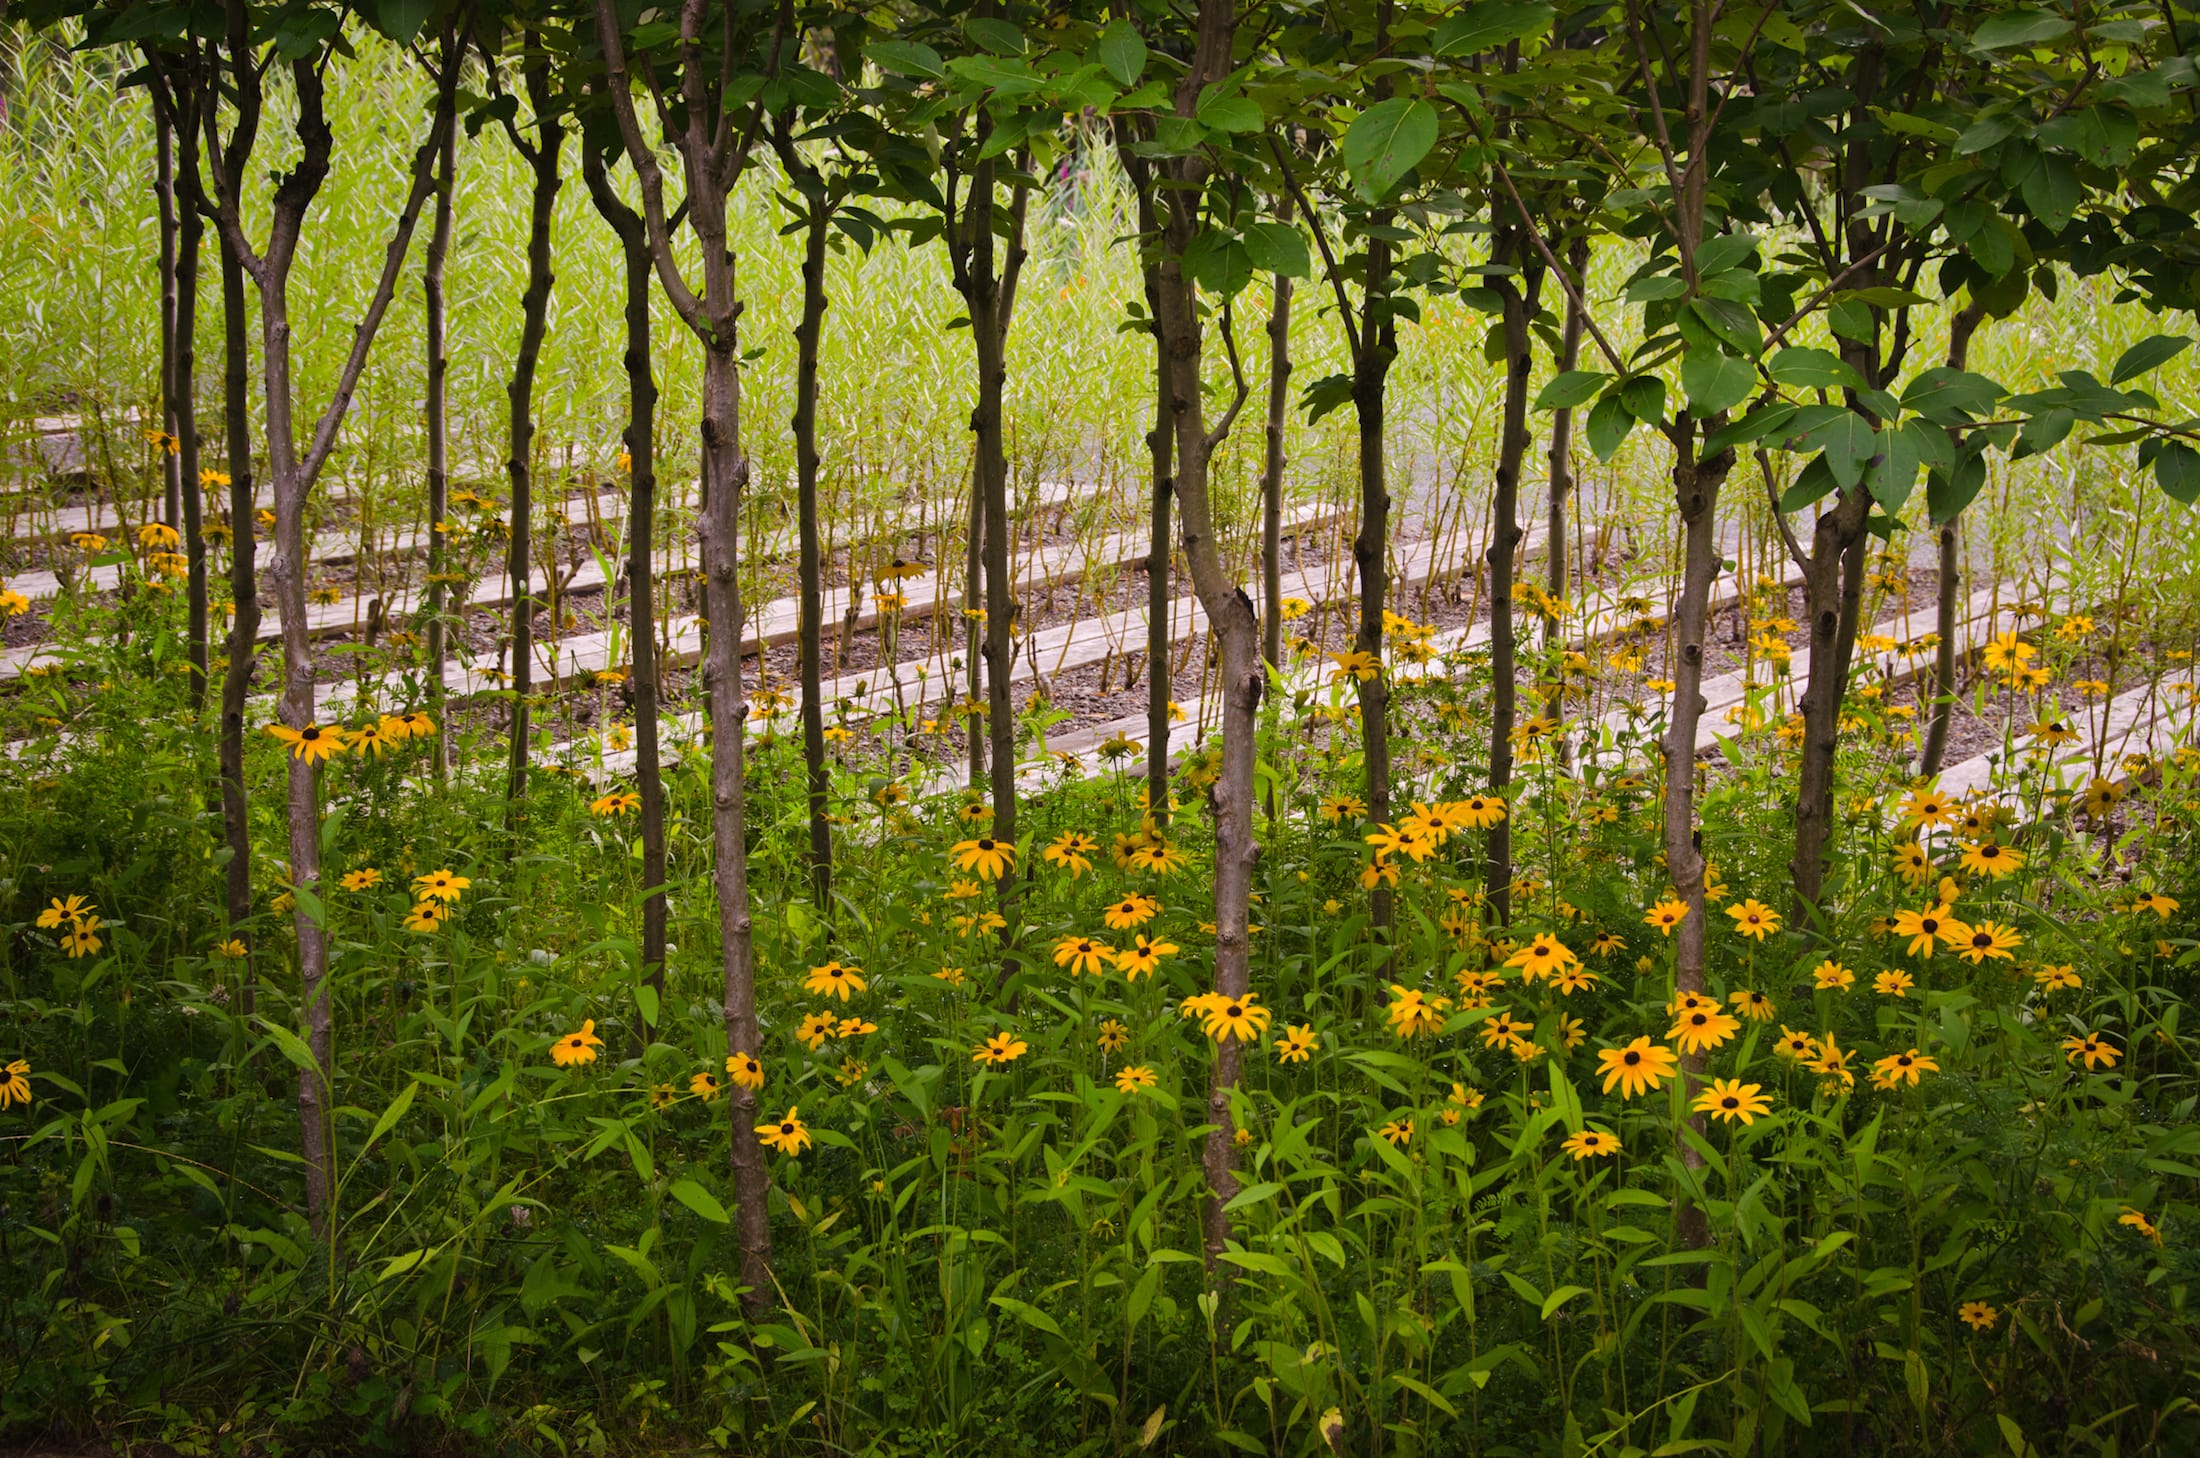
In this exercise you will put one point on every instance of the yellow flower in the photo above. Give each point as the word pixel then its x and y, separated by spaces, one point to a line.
pixel 71 909
pixel 854 1028
pixel 427 916
pixel 1701 1029
pixel 1753 1005
pixel 312 743
pixel 1892 983
pixel 618 802
pixel 1830 974
pixel 1143 957
pixel 2058 978
pixel 704 1086
pixel 1796 1046
pixel 952 976
pixel 1411 1014
pixel 1398 1131
pixel 1335 808
pixel 1298 1043
pixel 1729 1099
pixel 814 1029
pixel 1114 1036
pixel 2135 1219
pixel 440 886
pixel 1354 664
pixel 1590 1143
pixel 834 980
pixel 984 857
pixel 1083 956
pixel 1989 940
pixel 1977 1315
pixel 1927 807
pixel 1131 1079
pixel 746 1070
pixel 1157 854
pixel 1642 1066
pixel 1542 956
pixel 1991 859
pixel 1897 1068
pixel 1754 919
pixel 998 1049
pixel 2093 1048
pixel 1666 915
pixel 1074 850
pixel 1242 1018
pixel 15 1083
pixel 1132 911
pixel 576 1048
pixel 2154 901
pixel 1924 927
pixel 788 1135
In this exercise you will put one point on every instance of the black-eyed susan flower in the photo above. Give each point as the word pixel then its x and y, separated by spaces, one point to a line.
pixel 1542 956
pixel 998 1049
pixel 618 802
pixel 814 1029
pixel 1073 851
pixel 1134 1078
pixel 1893 983
pixel 1991 859
pixel 15 1083
pixel 70 908
pixel 1666 915
pixel 834 980
pixel 1298 1043
pixel 1752 918
pixel 440 886
pixel 984 857
pixel 1927 807
pixel 705 1086
pixel 746 1070
pixel 1590 1144
pixel 1932 925
pixel 313 743
pixel 366 878
pixel 1977 1315
pixel 1640 1067
pixel 1336 808
pixel 1114 1036
pixel 1398 1133
pixel 2060 978
pixel 1083 956
pixel 1729 1099
pixel 1143 956
pixel 1701 1029
pixel 787 1134
pixel 2095 1050
pixel 1830 975
pixel 2162 906
pixel 1133 910
pixel 1896 1069
pixel 1239 1017
pixel 2131 1218
pixel 427 916
pixel 1795 1045
pixel 372 739
pixel 577 1048
pixel 1752 1005
pixel 1989 940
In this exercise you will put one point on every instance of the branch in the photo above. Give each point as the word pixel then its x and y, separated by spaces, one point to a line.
pixel 1321 243
pixel 1221 429
pixel 643 158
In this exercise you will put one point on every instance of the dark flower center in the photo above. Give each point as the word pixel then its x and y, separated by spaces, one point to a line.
pixel 1632 1059
pixel 1929 924
pixel 1729 1102
pixel 985 845
pixel 786 1128
pixel 1235 1011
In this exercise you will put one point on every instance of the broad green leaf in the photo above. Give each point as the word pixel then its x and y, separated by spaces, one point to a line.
pixel 906 58
pixel 1728 250
pixel 1715 381
pixel 2150 353
pixel 1574 387
pixel 2025 27
pixel 1123 52
pixel 1386 141
pixel 1950 396
pixel 1608 425
pixel 401 19
pixel 1810 368
pixel 1947 493
pixel 701 1201
pixel 1560 1297
pixel 1278 248
pixel 1644 397
pixel 2052 191
pixel 1893 471
pixel 997 36
pixel 2177 471
pixel 391 1115
pixel 1490 24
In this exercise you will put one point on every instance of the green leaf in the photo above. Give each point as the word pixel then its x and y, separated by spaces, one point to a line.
pixel 401 19
pixel 391 1115
pixel 1574 387
pixel 2026 27
pixel 1810 368
pixel 1893 472
pixel 1230 113
pixel 1386 141
pixel 906 58
pixel 1947 493
pixel 701 1201
pixel 1560 1297
pixel 1253 1195
pixel 1950 396
pixel 1028 1314
pixel 1728 250
pixel 1278 248
pixel 1608 426
pixel 1491 24
pixel 2177 472
pixel 1715 381
pixel 645 998
pixel 1644 397
pixel 1123 52
pixel 2052 191
pixel 2150 353
pixel 2043 432
pixel 997 36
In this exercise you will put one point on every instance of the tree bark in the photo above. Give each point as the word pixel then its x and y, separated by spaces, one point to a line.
pixel 164 197
pixel 808 335
pixel 437 405
pixel 641 559
pixel 1556 581
pixel 244 601
pixel 1273 464
pixel 1950 583
pixel 179 383
pixel 1161 453
pixel 542 160
pixel 1518 298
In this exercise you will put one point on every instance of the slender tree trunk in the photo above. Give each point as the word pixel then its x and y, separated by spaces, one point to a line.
pixel 974 626
pixel 180 387
pixel 1160 561
pixel 542 159
pixel 1370 378
pixel 164 195
pixel 808 334
pixel 439 445
pixel 1950 584
pixel 1518 296
pixel 641 558
pixel 1555 576
pixel 1697 486
pixel 1272 467
pixel 244 600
